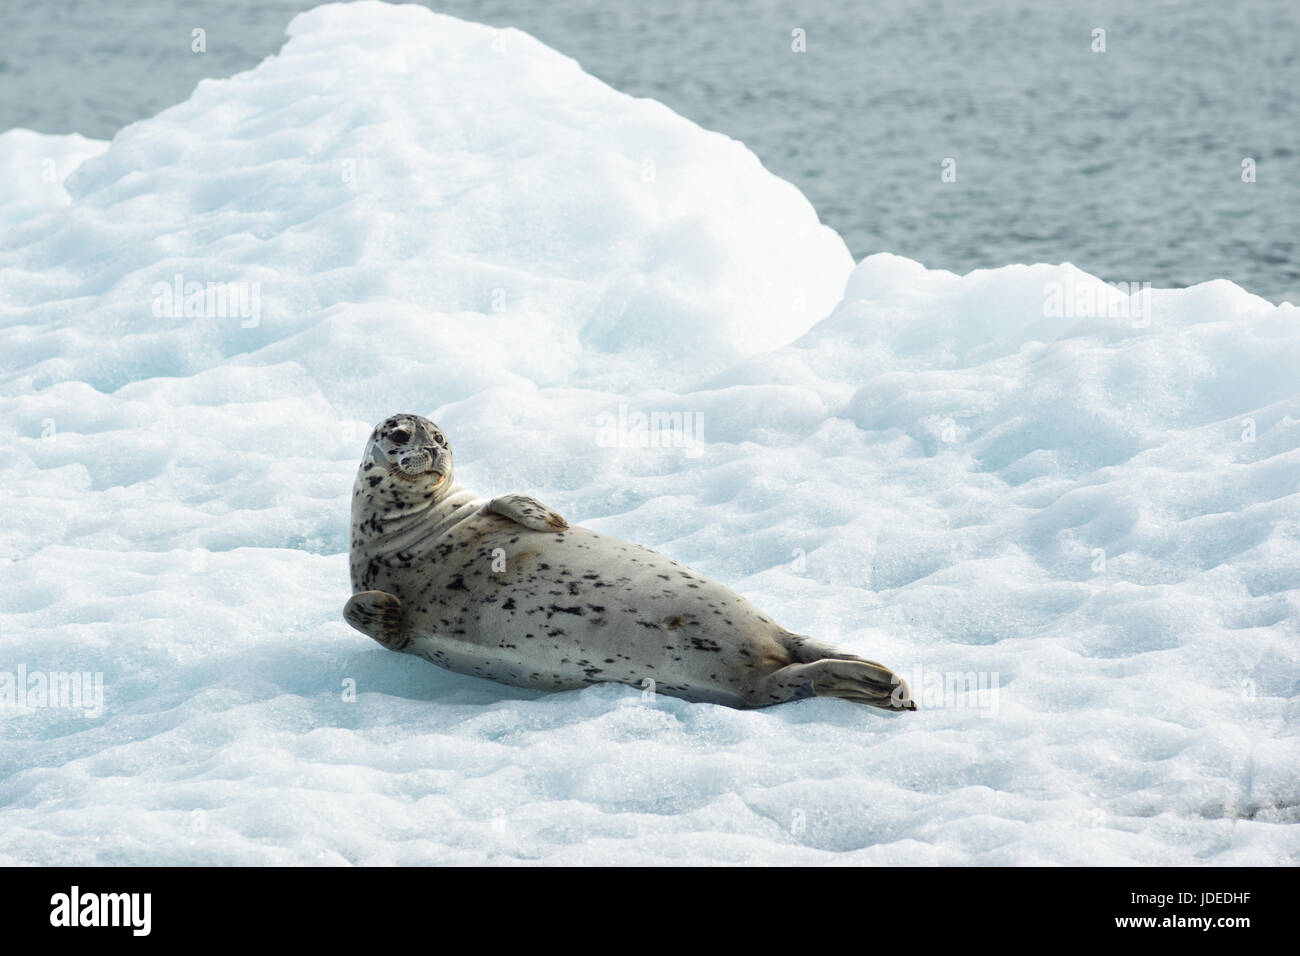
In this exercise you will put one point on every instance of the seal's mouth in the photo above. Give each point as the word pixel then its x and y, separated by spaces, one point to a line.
pixel 412 476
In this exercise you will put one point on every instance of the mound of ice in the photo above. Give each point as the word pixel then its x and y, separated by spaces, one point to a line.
pixel 1083 503
pixel 33 167
pixel 404 182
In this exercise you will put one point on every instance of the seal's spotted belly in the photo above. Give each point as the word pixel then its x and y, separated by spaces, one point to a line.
pixel 564 610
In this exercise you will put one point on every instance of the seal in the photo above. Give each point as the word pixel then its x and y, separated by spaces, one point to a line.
pixel 506 589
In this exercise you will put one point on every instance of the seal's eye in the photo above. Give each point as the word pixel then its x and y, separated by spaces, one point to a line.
pixel 400 437
pixel 438 439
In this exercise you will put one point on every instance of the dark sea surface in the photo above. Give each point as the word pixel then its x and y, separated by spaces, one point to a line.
pixel 1127 162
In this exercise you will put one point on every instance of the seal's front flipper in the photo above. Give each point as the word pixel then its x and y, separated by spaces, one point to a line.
pixel 529 512
pixel 377 614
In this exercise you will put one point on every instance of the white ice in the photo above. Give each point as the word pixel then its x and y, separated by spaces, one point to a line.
pixel 1095 515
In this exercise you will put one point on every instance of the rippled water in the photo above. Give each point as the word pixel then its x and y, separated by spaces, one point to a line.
pixel 1127 163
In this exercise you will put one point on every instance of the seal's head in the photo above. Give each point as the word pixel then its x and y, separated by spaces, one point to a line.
pixel 411 450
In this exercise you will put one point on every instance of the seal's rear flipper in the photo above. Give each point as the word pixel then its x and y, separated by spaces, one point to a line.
pixel 865 682
pixel 377 614
pixel 861 681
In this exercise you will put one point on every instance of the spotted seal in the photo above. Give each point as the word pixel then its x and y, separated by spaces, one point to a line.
pixel 505 588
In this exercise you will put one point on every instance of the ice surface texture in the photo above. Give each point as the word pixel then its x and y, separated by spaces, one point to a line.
pixel 1099 513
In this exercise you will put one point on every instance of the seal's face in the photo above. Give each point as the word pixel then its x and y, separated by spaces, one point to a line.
pixel 412 450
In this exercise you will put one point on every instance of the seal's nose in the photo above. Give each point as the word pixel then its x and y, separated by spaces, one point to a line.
pixel 416 462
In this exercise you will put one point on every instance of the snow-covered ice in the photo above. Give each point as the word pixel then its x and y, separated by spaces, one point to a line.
pixel 1086 503
pixel 32 169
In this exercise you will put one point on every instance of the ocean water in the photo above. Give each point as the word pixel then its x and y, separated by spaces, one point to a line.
pixel 1069 516
pixel 1125 163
